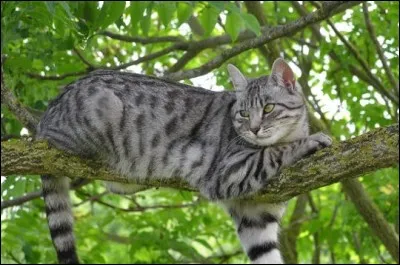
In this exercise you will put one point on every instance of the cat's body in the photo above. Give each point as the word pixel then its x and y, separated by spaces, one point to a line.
pixel 145 127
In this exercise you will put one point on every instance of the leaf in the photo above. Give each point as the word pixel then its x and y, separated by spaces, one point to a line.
pixel 145 22
pixel 208 18
pixel 251 23
pixel 51 7
pixel 233 25
pixel 20 62
pixel 66 8
pixel 136 11
pixel 90 12
pixel 184 12
pixel 110 12
pixel 166 12
pixel 220 5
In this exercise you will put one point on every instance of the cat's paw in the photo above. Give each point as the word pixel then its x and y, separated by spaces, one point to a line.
pixel 321 139
pixel 317 141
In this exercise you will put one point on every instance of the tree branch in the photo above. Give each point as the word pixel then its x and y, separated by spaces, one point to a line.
pixel 146 57
pixel 84 60
pixel 37 194
pixel 13 104
pixel 379 148
pixel 268 34
pixel 367 77
pixel 364 65
pixel 57 77
pixel 378 48
pixel 141 40
pixel 367 208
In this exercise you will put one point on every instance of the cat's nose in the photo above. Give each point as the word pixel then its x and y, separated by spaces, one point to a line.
pixel 255 129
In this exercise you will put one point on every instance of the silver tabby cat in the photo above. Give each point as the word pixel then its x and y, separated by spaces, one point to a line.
pixel 225 144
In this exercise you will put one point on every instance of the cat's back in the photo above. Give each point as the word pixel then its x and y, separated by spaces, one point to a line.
pixel 107 109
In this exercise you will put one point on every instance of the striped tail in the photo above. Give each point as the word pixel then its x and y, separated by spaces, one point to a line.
pixel 258 228
pixel 59 217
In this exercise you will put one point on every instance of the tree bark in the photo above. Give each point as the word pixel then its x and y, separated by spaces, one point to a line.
pixel 379 149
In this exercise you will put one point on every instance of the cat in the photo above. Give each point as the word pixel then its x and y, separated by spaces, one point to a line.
pixel 227 144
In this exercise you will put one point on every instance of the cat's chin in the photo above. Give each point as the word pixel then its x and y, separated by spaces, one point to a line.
pixel 261 141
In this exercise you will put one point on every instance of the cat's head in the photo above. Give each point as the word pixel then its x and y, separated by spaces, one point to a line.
pixel 269 109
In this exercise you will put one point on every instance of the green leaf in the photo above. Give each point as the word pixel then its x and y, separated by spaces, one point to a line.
pixel 136 11
pixel 233 25
pixel 51 7
pixel 208 18
pixel 66 8
pixel 165 12
pixel 110 12
pixel 220 5
pixel 184 12
pixel 18 62
pixel 251 23
pixel 90 12
pixel 145 22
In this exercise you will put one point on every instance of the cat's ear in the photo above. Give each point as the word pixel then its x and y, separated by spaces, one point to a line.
pixel 237 78
pixel 282 71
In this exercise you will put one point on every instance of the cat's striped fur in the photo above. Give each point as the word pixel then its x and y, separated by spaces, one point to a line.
pixel 147 127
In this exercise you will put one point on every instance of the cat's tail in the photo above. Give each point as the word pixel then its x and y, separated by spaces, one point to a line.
pixel 258 228
pixel 59 217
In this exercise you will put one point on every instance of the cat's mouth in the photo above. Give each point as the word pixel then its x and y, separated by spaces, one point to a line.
pixel 263 140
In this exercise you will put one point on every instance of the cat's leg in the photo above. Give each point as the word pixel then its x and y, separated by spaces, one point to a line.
pixel 247 171
pixel 123 188
pixel 257 225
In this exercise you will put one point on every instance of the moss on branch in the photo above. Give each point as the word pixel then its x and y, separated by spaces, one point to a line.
pixel 348 159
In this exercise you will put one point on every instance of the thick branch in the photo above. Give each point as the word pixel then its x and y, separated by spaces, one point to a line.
pixel 379 149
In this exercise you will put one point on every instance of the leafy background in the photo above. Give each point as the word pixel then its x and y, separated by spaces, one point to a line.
pixel 66 39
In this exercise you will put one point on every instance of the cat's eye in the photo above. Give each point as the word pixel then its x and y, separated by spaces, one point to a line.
pixel 268 108
pixel 244 114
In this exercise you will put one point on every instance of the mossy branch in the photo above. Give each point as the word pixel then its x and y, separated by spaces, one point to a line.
pixel 348 159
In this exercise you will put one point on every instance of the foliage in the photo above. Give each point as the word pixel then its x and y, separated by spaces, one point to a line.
pixel 42 39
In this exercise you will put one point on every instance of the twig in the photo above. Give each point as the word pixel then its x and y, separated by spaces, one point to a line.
pixel 10 136
pixel 21 200
pixel 372 34
pixel 141 40
pixel 57 77
pixel 37 194
pixel 189 55
pixel 139 208
pixel 147 57
pixel 84 60
pixel 91 198
pixel 118 67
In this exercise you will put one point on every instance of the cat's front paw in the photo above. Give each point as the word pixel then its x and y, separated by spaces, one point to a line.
pixel 317 141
